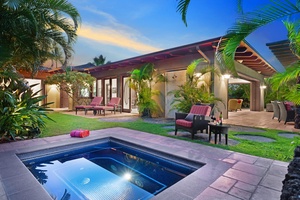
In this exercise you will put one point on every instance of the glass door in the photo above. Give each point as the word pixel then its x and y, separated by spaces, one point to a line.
pixel 126 94
pixel 110 89
pixel 129 97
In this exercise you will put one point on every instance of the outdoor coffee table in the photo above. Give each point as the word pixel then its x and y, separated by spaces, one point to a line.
pixel 218 129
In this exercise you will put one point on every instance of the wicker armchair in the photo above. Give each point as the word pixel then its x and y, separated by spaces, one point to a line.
pixel 276 111
pixel 197 119
pixel 285 115
pixel 232 105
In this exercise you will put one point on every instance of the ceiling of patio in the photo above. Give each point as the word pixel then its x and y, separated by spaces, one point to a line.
pixel 282 51
pixel 245 54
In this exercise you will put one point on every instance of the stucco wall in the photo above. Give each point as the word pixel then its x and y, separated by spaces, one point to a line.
pixel 175 78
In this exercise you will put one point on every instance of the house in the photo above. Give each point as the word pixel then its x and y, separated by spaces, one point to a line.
pixel 251 67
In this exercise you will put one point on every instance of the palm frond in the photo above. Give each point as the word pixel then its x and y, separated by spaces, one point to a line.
pixel 182 8
pixel 249 22
pixel 294 36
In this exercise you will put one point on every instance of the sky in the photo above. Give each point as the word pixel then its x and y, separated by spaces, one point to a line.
pixel 121 29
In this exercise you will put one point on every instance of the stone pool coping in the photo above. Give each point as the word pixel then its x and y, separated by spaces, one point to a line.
pixel 225 175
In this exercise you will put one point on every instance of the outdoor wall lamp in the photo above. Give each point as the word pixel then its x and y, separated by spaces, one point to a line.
pixel 263 87
pixel 198 75
pixel 226 76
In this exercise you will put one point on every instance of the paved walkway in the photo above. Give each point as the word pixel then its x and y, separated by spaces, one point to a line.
pixel 244 118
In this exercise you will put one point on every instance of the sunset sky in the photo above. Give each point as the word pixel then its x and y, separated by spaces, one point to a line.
pixel 120 29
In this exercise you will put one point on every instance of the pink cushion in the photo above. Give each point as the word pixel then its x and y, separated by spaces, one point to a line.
pixel 183 122
pixel 200 110
pixel 114 101
pixel 96 101
pixel 80 133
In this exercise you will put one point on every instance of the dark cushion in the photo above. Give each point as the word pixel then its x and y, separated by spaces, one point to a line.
pixel 189 117
pixel 288 105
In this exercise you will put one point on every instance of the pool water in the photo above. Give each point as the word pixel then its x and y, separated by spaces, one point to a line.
pixel 107 170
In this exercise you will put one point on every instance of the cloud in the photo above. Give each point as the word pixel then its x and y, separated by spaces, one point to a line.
pixel 114 37
pixel 109 31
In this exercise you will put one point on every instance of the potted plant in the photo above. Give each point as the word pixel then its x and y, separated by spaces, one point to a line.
pixel 142 81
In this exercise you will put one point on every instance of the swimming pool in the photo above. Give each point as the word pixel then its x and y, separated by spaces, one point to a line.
pixel 106 169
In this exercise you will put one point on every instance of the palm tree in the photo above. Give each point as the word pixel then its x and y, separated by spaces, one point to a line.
pixel 100 60
pixel 32 30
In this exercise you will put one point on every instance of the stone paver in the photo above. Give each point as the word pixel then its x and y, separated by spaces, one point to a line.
pixel 252 169
pixel 245 129
pixel 243 157
pixel 213 194
pixel 243 176
pixel 263 162
pixel 240 193
pixel 223 183
pixel 255 138
pixel 272 182
pixel 278 170
pixel 288 135
pixel 245 186
pixel 265 193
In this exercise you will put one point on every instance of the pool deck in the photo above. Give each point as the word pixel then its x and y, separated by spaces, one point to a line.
pixel 226 175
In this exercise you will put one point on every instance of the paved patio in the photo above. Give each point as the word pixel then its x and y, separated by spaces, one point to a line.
pixel 226 175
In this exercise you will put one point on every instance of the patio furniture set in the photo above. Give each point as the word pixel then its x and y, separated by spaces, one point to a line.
pixel 283 111
pixel 113 105
pixel 199 119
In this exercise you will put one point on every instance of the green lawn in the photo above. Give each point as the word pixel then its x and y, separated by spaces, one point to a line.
pixel 281 149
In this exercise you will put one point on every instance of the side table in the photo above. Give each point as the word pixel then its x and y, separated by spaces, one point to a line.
pixel 218 130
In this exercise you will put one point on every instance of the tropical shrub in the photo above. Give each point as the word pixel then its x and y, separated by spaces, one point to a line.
pixel 195 90
pixel 21 115
pixel 142 81
pixel 72 82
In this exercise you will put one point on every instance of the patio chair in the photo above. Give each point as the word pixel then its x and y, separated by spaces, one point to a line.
pixel 276 111
pixel 113 105
pixel 197 119
pixel 285 114
pixel 232 105
pixel 95 102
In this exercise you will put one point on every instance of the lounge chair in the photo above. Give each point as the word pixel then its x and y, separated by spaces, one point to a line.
pixel 197 119
pixel 113 105
pixel 95 102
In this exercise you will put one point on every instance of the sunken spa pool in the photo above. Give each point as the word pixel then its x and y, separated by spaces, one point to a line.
pixel 106 169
